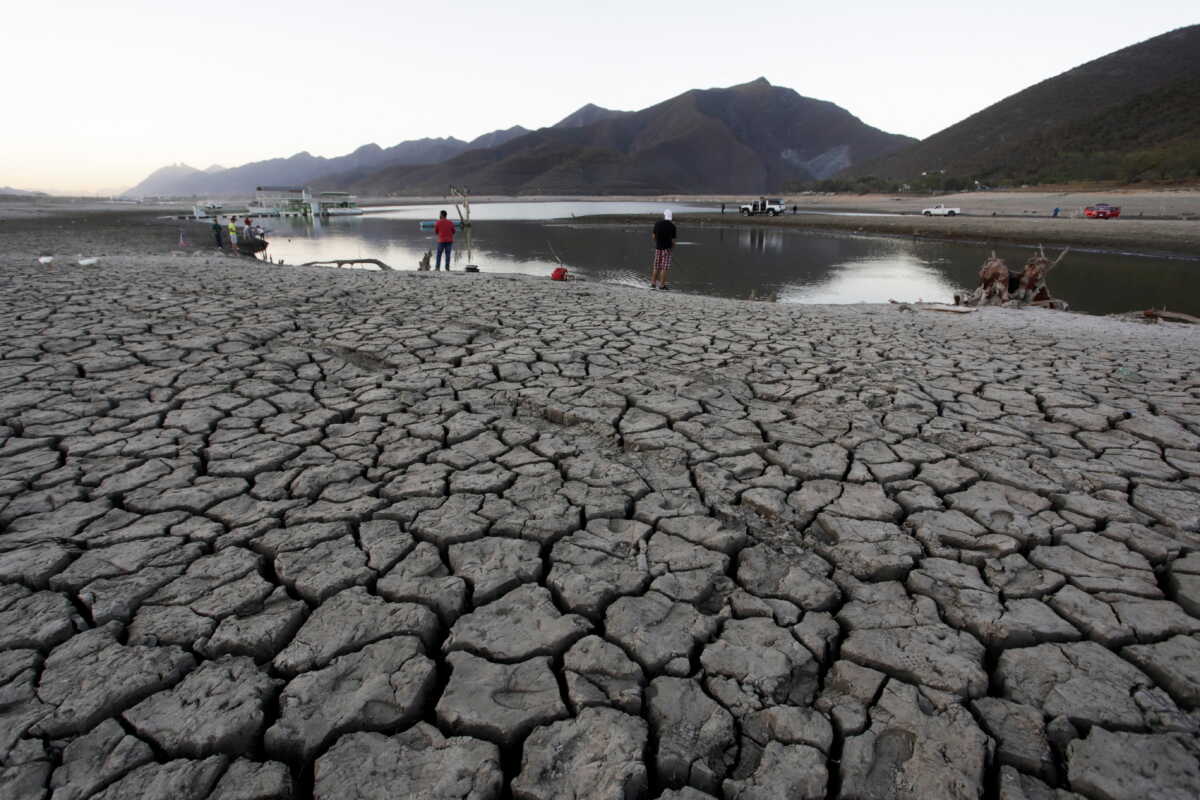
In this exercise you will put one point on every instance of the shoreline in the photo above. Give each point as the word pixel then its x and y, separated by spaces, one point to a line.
pixel 1020 218
pixel 74 234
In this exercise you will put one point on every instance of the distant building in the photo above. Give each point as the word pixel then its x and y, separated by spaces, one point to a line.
pixel 335 204
pixel 284 199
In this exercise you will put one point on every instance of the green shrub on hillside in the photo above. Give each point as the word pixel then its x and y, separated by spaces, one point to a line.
pixel 1154 137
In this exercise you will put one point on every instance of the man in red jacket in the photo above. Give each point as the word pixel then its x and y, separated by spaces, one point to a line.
pixel 444 229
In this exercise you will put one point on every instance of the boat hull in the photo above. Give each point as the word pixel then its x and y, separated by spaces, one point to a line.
pixel 252 247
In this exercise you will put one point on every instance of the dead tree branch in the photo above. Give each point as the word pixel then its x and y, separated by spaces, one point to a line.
pixel 339 262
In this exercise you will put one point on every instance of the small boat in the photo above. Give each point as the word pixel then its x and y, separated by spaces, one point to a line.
pixel 427 225
pixel 251 247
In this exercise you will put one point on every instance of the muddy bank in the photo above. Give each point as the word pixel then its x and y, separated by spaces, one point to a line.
pixel 98 232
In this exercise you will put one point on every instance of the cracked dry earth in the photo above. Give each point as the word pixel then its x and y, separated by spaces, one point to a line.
pixel 288 533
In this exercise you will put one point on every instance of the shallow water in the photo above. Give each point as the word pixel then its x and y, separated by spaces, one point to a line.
pixel 797 266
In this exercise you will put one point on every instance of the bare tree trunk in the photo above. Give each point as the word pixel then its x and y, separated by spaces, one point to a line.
pixel 461 193
pixel 998 285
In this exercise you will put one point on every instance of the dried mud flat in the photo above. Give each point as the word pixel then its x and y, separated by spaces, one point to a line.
pixel 280 532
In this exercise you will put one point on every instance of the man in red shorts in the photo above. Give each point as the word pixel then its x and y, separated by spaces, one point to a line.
pixel 444 229
pixel 664 240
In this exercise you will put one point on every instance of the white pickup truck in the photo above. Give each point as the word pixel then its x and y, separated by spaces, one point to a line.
pixel 941 211
pixel 771 207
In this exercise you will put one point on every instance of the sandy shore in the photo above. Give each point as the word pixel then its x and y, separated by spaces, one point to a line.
pixel 1134 203
pixel 291 532
pixel 1183 203
pixel 1154 222
pixel 34 208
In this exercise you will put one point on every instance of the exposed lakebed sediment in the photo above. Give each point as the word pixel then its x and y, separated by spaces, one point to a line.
pixel 283 532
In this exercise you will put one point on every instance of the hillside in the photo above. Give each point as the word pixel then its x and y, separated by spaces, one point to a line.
pixel 166 180
pixel 302 168
pixel 8 191
pixel 1155 136
pixel 749 138
pixel 1055 126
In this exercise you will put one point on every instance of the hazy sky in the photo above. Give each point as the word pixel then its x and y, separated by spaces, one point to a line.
pixel 98 94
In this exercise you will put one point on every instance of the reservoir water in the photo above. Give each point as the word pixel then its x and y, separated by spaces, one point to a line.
pixel 794 265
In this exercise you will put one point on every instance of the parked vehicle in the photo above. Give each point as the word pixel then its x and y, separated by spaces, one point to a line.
pixel 941 211
pixel 1102 211
pixel 771 207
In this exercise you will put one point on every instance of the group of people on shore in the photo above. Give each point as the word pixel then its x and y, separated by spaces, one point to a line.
pixel 227 235
pixel 664 235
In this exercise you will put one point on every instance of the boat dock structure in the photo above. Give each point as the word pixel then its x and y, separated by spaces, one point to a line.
pixel 285 201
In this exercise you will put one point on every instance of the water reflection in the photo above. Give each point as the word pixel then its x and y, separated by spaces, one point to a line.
pixel 875 280
pixel 798 266
pixel 761 240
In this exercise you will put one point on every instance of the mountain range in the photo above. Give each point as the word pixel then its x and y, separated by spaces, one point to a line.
pixel 303 167
pixel 1129 115
pixel 752 137
pixel 8 191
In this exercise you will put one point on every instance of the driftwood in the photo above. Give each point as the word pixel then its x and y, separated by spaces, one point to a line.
pixel 993 283
pixel 338 262
pixel 918 306
pixel 1031 285
pixel 947 309
pixel 1174 316
pixel 998 285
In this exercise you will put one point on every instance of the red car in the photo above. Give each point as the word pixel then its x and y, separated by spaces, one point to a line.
pixel 1102 211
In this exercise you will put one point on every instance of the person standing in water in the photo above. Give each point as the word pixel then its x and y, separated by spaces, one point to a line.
pixel 664 240
pixel 444 229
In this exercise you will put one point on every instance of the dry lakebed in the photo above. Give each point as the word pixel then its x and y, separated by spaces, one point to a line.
pixel 279 532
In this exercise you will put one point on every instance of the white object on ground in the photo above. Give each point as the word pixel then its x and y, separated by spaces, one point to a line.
pixel 87 262
pixel 45 259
